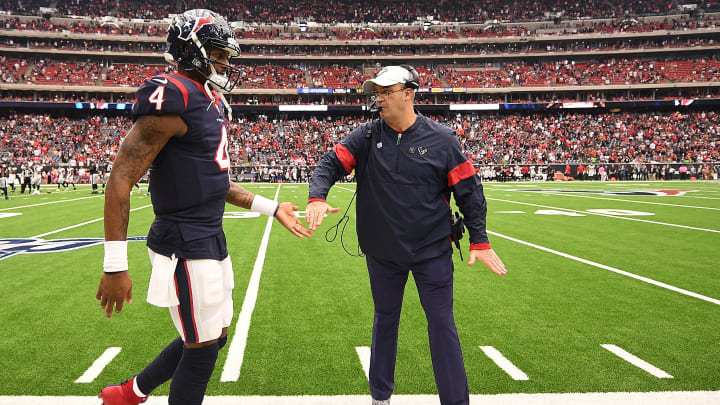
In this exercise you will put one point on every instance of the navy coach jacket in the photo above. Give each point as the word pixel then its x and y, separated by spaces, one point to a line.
pixel 404 185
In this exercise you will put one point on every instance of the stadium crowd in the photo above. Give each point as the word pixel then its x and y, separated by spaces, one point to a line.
pixel 493 139
pixel 274 76
pixel 347 11
pixel 355 33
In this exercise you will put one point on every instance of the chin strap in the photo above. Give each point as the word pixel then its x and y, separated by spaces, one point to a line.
pixel 209 93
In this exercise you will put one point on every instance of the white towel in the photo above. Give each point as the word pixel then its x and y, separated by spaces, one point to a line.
pixel 162 291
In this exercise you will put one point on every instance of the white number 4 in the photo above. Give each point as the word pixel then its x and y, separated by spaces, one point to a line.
pixel 158 97
pixel 222 157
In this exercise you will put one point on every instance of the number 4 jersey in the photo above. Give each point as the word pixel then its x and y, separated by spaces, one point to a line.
pixel 189 177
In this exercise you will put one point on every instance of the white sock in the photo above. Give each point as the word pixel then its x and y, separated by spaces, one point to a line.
pixel 136 389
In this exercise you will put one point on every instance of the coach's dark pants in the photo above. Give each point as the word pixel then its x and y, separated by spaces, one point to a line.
pixel 434 280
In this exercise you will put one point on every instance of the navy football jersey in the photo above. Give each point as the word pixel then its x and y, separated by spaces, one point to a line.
pixel 189 178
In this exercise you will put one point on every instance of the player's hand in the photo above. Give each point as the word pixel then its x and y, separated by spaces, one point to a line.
pixel 491 260
pixel 113 291
pixel 286 215
pixel 315 212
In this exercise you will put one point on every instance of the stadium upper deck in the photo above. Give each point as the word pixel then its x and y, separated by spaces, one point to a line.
pixel 348 11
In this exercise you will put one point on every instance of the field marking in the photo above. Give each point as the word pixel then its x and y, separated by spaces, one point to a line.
pixel 506 365
pixel 697 196
pixel 236 351
pixel 636 361
pixel 363 353
pixel 346 189
pixel 98 365
pixel 633 201
pixel 585 398
pixel 609 216
pixel 83 223
pixel 613 269
pixel 47 203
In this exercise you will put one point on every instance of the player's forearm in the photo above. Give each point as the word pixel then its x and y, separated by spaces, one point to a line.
pixel 239 196
pixel 117 209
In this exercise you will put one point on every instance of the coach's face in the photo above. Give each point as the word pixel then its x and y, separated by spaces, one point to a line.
pixel 392 101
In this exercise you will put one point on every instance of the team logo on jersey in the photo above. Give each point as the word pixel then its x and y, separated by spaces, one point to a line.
pixel 661 193
pixel 14 246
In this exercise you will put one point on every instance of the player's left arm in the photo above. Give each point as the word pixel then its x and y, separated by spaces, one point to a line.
pixel 283 212
pixel 468 192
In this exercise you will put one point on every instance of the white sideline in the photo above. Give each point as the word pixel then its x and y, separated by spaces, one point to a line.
pixel 81 224
pixel 363 353
pixel 636 361
pixel 236 351
pixel 506 365
pixel 607 215
pixel 98 365
pixel 591 398
pixel 614 270
pixel 578 195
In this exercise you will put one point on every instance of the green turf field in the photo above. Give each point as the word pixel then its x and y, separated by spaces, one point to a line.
pixel 641 272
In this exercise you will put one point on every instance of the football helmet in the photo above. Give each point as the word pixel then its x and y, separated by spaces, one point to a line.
pixel 189 39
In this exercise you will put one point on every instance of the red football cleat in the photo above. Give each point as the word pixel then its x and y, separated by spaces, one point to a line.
pixel 121 394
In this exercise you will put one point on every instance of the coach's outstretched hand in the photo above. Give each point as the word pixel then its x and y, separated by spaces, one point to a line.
pixel 491 260
pixel 286 215
pixel 315 212
pixel 113 291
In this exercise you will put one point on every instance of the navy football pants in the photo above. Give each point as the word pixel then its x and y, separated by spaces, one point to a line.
pixel 434 280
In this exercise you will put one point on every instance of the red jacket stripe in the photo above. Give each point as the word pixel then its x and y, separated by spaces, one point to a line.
pixel 460 173
pixel 480 246
pixel 346 158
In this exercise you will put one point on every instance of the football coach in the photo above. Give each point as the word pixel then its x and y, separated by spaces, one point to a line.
pixel 407 165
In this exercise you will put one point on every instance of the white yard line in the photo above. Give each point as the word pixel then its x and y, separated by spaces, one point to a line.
pixel 631 201
pixel 609 216
pixel 47 203
pixel 99 365
pixel 236 351
pixel 363 353
pixel 636 361
pixel 696 196
pixel 345 188
pixel 506 365
pixel 81 224
pixel 592 398
pixel 613 269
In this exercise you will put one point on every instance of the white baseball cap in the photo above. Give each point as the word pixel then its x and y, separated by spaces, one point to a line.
pixel 388 76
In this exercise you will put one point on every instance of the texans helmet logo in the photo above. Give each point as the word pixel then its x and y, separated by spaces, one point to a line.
pixel 183 25
pixel 208 19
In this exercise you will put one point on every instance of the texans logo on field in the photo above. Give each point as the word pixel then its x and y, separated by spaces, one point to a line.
pixel 13 246
pixel 662 193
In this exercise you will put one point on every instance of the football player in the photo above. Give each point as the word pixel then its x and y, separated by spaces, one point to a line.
pixel 3 182
pixel 94 177
pixel 12 178
pixel 26 176
pixel 70 179
pixel 36 180
pixel 180 133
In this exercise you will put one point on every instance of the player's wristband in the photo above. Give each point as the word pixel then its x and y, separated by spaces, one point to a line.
pixel 115 256
pixel 264 206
